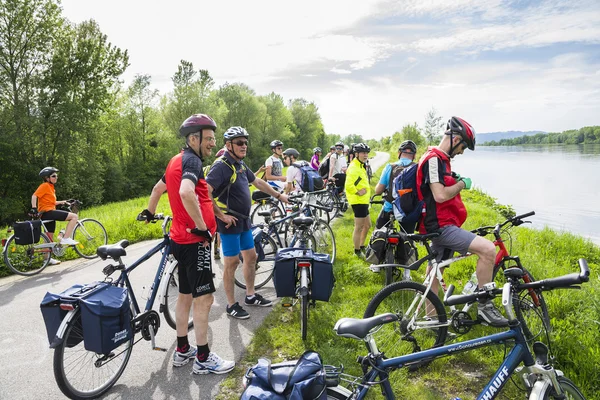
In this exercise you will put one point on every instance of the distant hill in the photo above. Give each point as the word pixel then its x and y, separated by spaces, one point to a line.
pixel 490 136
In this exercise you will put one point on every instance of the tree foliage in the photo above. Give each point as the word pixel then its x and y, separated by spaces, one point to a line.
pixel 585 135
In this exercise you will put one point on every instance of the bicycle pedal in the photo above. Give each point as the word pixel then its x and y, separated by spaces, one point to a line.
pixel 159 349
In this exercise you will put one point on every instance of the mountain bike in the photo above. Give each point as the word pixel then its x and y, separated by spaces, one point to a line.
pixel 426 319
pixel 541 380
pixel 31 259
pixel 83 374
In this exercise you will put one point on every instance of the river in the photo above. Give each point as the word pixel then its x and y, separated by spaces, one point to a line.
pixel 560 183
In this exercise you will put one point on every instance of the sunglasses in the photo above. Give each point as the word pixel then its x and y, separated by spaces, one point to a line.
pixel 339 148
pixel 278 148
pixel 241 143
pixel 54 176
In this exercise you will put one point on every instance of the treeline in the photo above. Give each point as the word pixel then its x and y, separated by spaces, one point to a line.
pixel 62 104
pixel 586 135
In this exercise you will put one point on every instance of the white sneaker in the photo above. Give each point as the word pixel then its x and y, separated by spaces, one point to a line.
pixel 214 364
pixel 374 268
pixel 54 261
pixel 68 242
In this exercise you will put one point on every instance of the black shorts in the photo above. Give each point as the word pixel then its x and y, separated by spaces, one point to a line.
pixel 360 210
pixel 195 268
pixel 54 215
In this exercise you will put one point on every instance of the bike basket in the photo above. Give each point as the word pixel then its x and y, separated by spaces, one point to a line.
pixel 27 232
pixel 322 277
pixel 106 318
pixel 52 313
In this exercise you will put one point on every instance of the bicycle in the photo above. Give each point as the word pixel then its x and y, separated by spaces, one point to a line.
pixel 425 316
pixel 333 198
pixel 539 377
pixel 84 374
pixel 32 258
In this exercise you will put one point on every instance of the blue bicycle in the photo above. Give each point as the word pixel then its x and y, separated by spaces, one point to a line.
pixel 539 377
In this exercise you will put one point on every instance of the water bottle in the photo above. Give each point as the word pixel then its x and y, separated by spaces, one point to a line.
pixel 471 285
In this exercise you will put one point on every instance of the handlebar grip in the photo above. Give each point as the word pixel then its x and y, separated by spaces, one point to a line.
pixel 463 298
pixel 529 214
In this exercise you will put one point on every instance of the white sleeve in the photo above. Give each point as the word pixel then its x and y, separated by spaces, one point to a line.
pixel 290 175
pixel 269 162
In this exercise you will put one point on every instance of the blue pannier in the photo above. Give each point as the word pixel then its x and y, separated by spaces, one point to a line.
pixel 51 311
pixel 322 277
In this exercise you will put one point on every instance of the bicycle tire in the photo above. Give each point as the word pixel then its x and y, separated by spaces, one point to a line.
pixel 304 315
pixel 571 391
pixel 534 320
pixel 324 239
pixel 90 234
pixel 389 259
pixel 326 199
pixel 74 366
pixel 266 206
pixel 27 259
pixel 338 393
pixel 263 269
pixel 171 295
pixel 396 339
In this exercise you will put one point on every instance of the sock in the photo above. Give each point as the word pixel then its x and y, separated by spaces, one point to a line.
pixel 250 297
pixel 357 252
pixel 362 248
pixel 182 344
pixel 203 353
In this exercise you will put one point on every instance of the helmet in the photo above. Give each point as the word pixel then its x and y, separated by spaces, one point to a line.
pixel 235 132
pixel 196 123
pixel 339 144
pixel 291 152
pixel 464 129
pixel 276 143
pixel 408 145
pixel 332 147
pixel 47 172
pixel 361 148
pixel 317 150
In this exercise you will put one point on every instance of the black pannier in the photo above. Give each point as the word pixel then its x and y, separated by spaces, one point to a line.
pixel 27 232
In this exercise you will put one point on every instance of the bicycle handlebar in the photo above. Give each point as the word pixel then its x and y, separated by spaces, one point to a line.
pixel 515 221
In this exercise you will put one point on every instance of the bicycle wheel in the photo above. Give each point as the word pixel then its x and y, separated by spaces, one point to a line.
pixel 571 391
pixel 326 199
pixel 27 259
pixel 389 259
pixel 263 268
pixel 277 212
pixel 304 315
pixel 534 319
pixel 83 374
pixel 171 294
pixel 324 239
pixel 90 234
pixel 414 332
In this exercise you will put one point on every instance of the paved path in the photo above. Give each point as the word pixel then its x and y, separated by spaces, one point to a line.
pixel 26 367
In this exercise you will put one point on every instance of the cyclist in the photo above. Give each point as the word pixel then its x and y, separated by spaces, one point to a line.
pixel 274 165
pixel 314 161
pixel 293 175
pixel 228 182
pixel 445 212
pixel 191 235
pixel 43 203
pixel 358 192
pixel 350 152
pixel 338 167
pixel 406 154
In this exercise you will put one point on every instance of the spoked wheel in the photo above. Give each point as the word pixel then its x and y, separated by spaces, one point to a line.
pixel 570 390
pixel 531 311
pixel 83 374
pixel 264 268
pixel 27 259
pixel 326 199
pixel 277 212
pixel 324 239
pixel 90 234
pixel 171 295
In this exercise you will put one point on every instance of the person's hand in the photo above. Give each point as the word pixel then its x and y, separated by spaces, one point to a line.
pixel 228 220
pixel 456 176
pixel 362 192
pixel 284 198
pixel 467 182
pixel 145 215
pixel 205 234
pixel 34 212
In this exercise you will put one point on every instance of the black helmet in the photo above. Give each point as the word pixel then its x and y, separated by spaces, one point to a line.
pixel 317 150
pixel 47 172
pixel 276 143
pixel 291 152
pixel 235 132
pixel 361 148
pixel 461 127
pixel 408 144
pixel 196 123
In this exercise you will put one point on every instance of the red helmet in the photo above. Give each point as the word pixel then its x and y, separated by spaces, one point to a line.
pixel 196 123
pixel 461 127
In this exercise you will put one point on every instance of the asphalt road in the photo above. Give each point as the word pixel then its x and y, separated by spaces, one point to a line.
pixel 26 361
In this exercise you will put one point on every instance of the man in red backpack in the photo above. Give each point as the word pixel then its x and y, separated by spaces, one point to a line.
pixel 445 212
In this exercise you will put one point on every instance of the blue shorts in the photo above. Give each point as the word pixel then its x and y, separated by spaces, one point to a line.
pixel 233 243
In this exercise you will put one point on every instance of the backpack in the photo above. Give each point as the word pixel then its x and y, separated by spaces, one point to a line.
pixel 407 206
pixel 223 203
pixel 310 181
pixel 324 168
pixel 389 195
pixel 292 380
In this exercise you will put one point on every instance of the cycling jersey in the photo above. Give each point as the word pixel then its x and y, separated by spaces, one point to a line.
pixel 276 165
pixel 434 167
pixel 357 179
pixel 314 162
pixel 46 196
pixel 187 165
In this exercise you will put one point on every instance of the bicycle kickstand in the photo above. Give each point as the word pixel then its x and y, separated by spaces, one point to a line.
pixel 153 340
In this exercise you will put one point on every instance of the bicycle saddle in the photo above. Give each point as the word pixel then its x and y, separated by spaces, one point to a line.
pixel 303 222
pixel 113 251
pixel 359 328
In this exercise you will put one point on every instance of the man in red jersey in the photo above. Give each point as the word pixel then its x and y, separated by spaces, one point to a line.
pixel 191 236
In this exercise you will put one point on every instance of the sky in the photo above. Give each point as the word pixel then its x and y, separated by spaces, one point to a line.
pixel 373 66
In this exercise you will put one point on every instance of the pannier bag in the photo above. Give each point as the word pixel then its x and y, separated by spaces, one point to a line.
pixel 27 232
pixel 322 277
pixel 284 275
pixel 106 318
pixel 52 313
pixel 376 249
pixel 303 379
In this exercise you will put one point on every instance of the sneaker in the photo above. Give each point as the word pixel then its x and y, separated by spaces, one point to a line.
pixel 236 311
pixel 68 242
pixel 490 314
pixel 258 300
pixel 374 268
pixel 214 364
pixel 54 261
pixel 180 358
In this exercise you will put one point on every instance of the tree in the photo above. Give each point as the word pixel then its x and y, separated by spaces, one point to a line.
pixel 307 125
pixel 433 126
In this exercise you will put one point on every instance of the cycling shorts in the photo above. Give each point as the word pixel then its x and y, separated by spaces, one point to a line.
pixel 195 268
pixel 54 215
pixel 233 243
pixel 360 210
pixel 452 239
